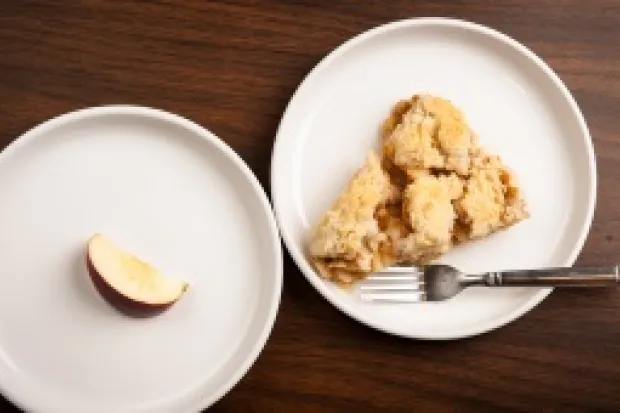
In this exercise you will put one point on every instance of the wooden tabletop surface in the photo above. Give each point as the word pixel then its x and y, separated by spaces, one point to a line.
pixel 232 67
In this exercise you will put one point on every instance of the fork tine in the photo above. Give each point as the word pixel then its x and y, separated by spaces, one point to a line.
pixel 398 277
pixel 401 270
pixel 409 297
pixel 392 287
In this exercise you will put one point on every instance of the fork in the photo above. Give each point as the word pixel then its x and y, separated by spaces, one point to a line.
pixel 439 282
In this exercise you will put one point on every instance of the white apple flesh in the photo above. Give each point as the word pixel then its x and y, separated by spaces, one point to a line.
pixel 129 284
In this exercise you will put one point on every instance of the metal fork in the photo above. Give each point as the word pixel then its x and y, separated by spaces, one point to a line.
pixel 440 282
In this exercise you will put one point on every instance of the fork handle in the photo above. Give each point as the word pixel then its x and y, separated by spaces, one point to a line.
pixel 555 277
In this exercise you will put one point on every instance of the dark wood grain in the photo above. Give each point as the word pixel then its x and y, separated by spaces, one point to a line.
pixel 232 66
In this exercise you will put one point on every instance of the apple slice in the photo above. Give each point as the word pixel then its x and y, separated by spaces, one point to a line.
pixel 129 284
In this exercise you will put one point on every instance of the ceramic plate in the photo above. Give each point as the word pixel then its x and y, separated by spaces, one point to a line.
pixel 172 193
pixel 521 111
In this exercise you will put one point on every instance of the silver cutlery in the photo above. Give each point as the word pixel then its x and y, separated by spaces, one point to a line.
pixel 440 282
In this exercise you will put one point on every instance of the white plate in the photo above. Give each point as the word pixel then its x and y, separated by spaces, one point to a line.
pixel 520 109
pixel 167 190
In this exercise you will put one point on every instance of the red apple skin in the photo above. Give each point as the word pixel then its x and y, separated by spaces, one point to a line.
pixel 120 302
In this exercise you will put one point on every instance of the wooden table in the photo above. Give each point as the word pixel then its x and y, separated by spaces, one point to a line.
pixel 232 66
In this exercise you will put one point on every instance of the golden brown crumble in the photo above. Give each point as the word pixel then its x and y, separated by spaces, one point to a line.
pixel 425 133
pixel 491 199
pixel 432 188
pixel 427 205
pixel 347 239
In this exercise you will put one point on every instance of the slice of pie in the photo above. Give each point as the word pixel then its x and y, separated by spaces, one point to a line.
pixel 432 188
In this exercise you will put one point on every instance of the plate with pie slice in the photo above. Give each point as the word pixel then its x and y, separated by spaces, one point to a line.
pixel 432 140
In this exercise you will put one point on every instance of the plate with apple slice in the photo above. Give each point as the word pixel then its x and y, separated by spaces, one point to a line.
pixel 141 266
pixel 127 283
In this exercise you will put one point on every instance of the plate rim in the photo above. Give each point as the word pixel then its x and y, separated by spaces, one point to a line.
pixel 22 399
pixel 508 41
